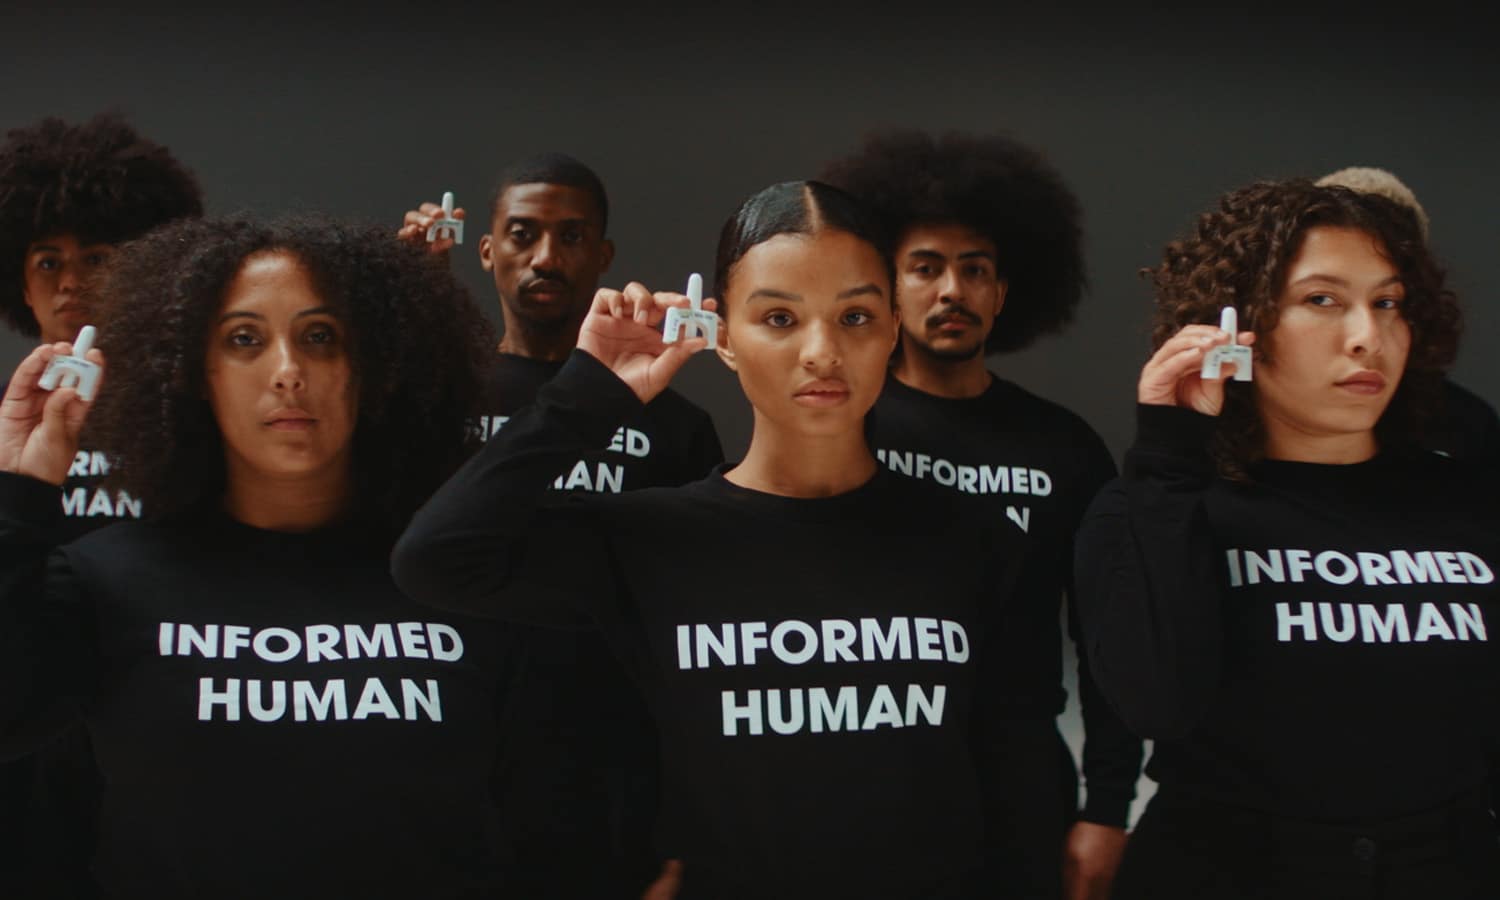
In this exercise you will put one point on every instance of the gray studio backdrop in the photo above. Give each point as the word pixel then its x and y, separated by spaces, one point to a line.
pixel 1150 114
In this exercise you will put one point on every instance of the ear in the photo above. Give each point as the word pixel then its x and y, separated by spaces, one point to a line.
pixel 606 254
pixel 726 353
pixel 1001 287
pixel 486 246
pixel 895 327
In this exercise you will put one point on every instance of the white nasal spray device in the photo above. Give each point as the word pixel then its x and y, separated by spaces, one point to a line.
pixel 1233 352
pixel 74 371
pixel 683 322
pixel 453 227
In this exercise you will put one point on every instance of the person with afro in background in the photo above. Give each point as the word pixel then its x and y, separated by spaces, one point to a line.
pixel 69 194
pixel 989 258
pixel 1466 427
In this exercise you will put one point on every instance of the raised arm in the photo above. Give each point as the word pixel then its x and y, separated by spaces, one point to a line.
pixel 1147 581
pixel 493 541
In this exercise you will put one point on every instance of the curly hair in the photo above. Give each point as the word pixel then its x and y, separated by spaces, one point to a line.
pixel 999 188
pixel 100 182
pixel 419 346
pixel 1239 255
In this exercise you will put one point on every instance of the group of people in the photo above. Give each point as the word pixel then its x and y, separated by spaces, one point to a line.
pixel 329 591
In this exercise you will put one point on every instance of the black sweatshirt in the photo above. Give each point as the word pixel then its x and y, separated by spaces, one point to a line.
pixel 1015 455
pixel 270 715
pixel 579 780
pixel 1314 644
pixel 813 664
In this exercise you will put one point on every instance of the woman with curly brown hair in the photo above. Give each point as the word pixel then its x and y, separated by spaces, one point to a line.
pixel 283 397
pixel 1282 590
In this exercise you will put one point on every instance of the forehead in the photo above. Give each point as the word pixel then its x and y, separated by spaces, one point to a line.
pixel 272 280
pixel 65 241
pixel 1349 253
pixel 546 203
pixel 944 239
pixel 813 266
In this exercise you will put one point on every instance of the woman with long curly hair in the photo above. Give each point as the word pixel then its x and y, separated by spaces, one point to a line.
pixel 271 716
pixel 816 693
pixel 1286 592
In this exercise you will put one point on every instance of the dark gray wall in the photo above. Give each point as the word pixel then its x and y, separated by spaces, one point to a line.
pixel 1151 114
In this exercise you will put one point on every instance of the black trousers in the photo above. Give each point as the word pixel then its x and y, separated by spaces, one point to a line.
pixel 1186 847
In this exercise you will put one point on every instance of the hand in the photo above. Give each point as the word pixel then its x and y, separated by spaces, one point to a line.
pixel 1172 375
pixel 1091 856
pixel 667 884
pixel 39 428
pixel 415 223
pixel 620 330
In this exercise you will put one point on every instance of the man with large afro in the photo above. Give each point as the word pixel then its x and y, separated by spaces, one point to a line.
pixel 68 194
pixel 988 251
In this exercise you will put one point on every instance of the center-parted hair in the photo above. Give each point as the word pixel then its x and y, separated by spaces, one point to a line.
pixel 1239 254
pixel 553 168
pixel 999 188
pixel 794 207
pixel 416 341
pixel 98 181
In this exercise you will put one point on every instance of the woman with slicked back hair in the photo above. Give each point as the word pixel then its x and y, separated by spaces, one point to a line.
pixel 814 689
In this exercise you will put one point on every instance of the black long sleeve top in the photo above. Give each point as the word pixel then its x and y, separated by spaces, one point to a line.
pixel 1313 643
pixel 813 664
pixel 1014 455
pixel 271 716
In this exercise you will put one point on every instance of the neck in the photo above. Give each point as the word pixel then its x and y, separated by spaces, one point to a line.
pixel 952 378
pixel 552 341
pixel 796 465
pixel 1287 443
pixel 303 502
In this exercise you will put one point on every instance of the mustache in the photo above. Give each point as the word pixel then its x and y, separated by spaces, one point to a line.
pixel 952 312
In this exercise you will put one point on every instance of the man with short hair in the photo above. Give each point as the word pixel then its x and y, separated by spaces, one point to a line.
pixel 1469 428
pixel 988 258
pixel 578 785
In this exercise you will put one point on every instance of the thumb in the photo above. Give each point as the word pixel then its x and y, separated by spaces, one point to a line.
pixel 63 415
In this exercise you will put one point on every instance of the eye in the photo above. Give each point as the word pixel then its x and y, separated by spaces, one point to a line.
pixel 926 270
pixel 321 334
pixel 47 263
pixel 1389 302
pixel 94 260
pixel 243 337
pixel 1321 300
pixel 857 317
pixel 572 236
pixel 978 271
pixel 522 235
pixel 779 318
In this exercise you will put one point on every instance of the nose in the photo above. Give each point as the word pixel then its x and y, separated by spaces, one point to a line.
pixel 544 254
pixel 950 289
pixel 1362 331
pixel 821 353
pixel 288 374
pixel 67 278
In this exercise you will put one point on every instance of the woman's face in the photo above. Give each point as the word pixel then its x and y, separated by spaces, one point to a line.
pixel 1339 348
pixel 810 329
pixel 279 376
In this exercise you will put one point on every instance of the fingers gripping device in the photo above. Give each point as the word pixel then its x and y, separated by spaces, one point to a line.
pixel 453 227
pixel 683 322
pixel 74 371
pixel 1239 354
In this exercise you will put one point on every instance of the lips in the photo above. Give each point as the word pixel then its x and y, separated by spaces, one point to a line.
pixel 547 289
pixel 290 420
pixel 953 320
pixel 822 393
pixel 1369 383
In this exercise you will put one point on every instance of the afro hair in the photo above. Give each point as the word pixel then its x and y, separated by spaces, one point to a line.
pixel 100 182
pixel 1000 189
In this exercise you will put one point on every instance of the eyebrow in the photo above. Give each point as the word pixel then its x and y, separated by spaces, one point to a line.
pixel 246 314
pixel 772 294
pixel 967 254
pixel 39 248
pixel 1341 282
pixel 533 221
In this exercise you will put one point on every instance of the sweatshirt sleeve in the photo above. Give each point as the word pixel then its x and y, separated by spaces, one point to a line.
pixel 1112 754
pixel 1147 583
pixel 494 541
pixel 45 650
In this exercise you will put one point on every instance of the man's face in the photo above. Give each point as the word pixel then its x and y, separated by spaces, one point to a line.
pixel 56 270
pixel 947 290
pixel 546 250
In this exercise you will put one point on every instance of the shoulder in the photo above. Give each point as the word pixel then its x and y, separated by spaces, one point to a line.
pixel 1046 414
pixel 669 405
